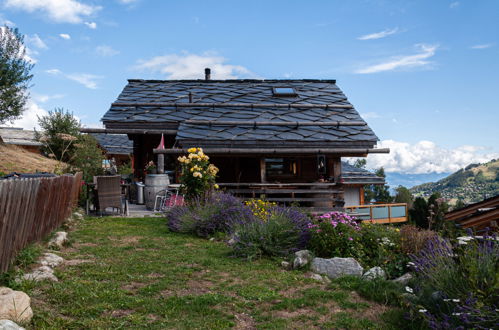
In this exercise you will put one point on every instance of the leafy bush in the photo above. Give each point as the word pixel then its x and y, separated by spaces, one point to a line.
pixel 381 246
pixel 336 234
pixel 458 287
pixel 284 231
pixel 198 175
pixel 215 213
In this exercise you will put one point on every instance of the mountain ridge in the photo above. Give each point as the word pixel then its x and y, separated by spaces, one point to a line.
pixel 471 184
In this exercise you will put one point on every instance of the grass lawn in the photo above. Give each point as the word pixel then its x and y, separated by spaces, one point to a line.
pixel 134 273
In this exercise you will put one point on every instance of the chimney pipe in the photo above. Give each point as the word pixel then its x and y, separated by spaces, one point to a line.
pixel 207 74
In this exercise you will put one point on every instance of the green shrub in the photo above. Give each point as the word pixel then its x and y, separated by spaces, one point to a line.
pixel 336 234
pixel 283 232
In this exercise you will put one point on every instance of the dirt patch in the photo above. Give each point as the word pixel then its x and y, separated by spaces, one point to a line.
pixel 155 275
pixel 292 314
pixel 152 317
pixel 194 288
pixel 291 291
pixel 121 312
pixel 244 321
pixel 133 286
pixel 373 312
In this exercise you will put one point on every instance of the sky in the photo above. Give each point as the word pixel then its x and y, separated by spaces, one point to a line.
pixel 423 74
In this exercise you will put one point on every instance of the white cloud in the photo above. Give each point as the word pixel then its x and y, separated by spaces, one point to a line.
pixel 29 120
pixel 482 46
pixel 86 79
pixel 106 51
pixel 91 25
pixel 403 62
pixel 454 4
pixel 59 11
pixel 191 66
pixel 65 36
pixel 379 35
pixel 36 41
pixel 426 157
pixel 45 98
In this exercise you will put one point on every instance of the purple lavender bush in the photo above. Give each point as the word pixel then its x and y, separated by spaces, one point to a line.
pixel 284 231
pixel 215 213
pixel 458 287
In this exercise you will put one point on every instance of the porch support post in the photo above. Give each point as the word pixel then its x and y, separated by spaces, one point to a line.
pixel 161 163
pixel 263 176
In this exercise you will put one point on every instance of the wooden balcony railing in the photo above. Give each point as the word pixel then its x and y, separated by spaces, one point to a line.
pixel 308 193
pixel 379 213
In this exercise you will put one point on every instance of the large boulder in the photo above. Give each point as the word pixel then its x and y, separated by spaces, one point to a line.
pixel 302 258
pixel 60 238
pixel 375 272
pixel 337 267
pixel 40 274
pixel 404 279
pixel 9 325
pixel 15 305
pixel 50 259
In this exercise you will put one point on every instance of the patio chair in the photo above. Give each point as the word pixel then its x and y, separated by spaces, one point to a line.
pixel 109 193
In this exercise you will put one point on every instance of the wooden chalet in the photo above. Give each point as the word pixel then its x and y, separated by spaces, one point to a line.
pixel 280 138
pixel 481 215
pixel 19 137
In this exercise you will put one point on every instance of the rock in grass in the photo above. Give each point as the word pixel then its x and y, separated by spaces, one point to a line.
pixel 50 259
pixel 285 265
pixel 40 274
pixel 316 277
pixel 337 267
pixel 404 279
pixel 60 238
pixel 302 258
pixel 375 272
pixel 9 325
pixel 15 306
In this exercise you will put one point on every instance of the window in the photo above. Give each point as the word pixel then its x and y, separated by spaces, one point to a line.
pixel 284 91
pixel 279 167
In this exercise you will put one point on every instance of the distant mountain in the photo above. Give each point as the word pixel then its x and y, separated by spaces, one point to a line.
pixel 395 179
pixel 472 184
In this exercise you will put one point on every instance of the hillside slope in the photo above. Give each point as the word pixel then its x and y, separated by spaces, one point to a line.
pixel 16 159
pixel 472 184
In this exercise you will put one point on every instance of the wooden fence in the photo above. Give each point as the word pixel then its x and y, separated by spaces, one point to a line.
pixel 31 208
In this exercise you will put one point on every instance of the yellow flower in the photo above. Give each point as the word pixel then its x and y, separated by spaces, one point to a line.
pixel 397 230
pixel 216 186
pixel 197 175
pixel 191 150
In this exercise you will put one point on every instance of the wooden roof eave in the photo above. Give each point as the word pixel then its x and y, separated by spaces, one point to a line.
pixel 355 152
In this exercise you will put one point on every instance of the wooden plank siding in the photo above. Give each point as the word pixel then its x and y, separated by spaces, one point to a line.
pixel 31 208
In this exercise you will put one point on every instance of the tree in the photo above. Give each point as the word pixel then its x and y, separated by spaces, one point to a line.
pixel 403 195
pixel 360 163
pixel 87 157
pixel 15 74
pixel 437 207
pixel 419 212
pixel 459 204
pixel 59 131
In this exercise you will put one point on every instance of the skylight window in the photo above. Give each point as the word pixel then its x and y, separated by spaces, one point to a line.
pixel 284 91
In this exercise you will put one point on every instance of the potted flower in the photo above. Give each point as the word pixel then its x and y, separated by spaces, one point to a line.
pixel 150 168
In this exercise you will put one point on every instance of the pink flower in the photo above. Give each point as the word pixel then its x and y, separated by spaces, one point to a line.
pixel 350 239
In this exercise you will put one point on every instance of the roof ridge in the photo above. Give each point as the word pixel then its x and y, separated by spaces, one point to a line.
pixel 333 81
